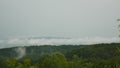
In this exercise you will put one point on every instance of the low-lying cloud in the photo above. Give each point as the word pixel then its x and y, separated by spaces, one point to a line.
pixel 59 41
pixel 21 52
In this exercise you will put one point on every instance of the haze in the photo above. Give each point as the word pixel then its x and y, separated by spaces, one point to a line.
pixel 59 18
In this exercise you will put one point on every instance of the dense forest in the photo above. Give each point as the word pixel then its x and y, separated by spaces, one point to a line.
pixel 63 56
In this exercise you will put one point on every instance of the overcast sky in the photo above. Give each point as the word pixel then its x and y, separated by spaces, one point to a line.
pixel 59 18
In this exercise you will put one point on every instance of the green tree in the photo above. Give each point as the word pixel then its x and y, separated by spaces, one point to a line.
pixel 27 62
pixel 11 63
pixel 55 60
pixel 3 63
pixel 76 62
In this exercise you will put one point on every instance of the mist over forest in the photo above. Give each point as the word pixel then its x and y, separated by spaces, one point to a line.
pixel 59 33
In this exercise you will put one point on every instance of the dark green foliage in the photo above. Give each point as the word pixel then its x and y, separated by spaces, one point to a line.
pixel 35 52
pixel 55 60
pixel 89 56
pixel 104 51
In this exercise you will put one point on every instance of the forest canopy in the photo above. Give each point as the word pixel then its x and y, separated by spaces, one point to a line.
pixel 64 56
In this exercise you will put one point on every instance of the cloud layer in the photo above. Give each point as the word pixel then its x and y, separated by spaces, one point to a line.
pixel 56 41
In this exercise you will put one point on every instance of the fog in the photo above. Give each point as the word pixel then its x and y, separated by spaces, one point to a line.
pixel 65 18
pixel 56 41
pixel 21 52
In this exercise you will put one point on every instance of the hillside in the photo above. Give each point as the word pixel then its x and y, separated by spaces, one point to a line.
pixel 85 51
pixel 64 56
